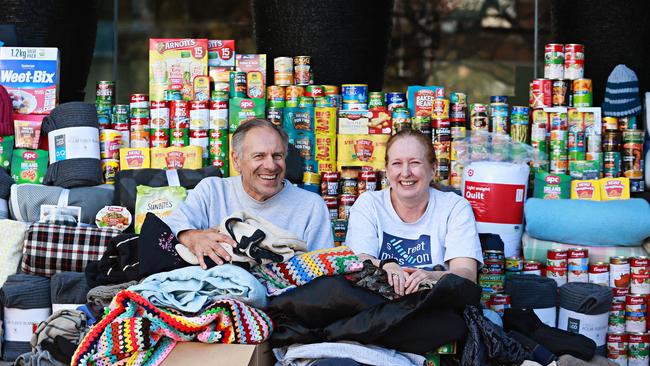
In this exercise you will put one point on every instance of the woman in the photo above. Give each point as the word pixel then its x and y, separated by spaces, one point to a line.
pixel 410 228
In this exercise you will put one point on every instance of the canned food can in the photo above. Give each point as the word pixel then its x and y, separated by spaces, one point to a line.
pixel 314 91
pixel 345 203
pixel 302 73
pixel 332 204
pixel 619 272
pixel 220 94
pixel 619 293
pixel 159 137
pixel 558 274
pixel 639 275
pixel 479 117
pixel 499 118
pixel 173 94
pixel 617 348
pixel 582 93
pixel 560 165
pixel 199 115
pixel 574 61
pixel 612 167
pixel 401 118
pixel 140 112
pixel 383 180
pixel 499 303
pixel 628 123
pixel 283 71
pixel 139 136
pixel 491 283
pixel 330 183
pixel 349 186
pixel 160 114
pixel 179 114
pixel 104 118
pixel 110 167
pixel 599 273
pixel 376 100
pixel 218 151
pixel 179 137
pixel 554 61
pixel 294 92
pixel 255 84
pixel 541 93
pixel 125 140
pixel 612 141
pixel 237 84
pixel 275 115
pixel 493 255
pixel 395 100
pixel 200 138
pixel 304 102
pixel 636 308
pixel 610 124
pixel 218 115
pixel 275 92
pixel 110 142
pixel 561 90
pixel 139 101
pixel 556 258
pixel 638 349
pixel 514 264
pixel 105 92
pixel 367 181
pixel 331 89
pixel 633 154
pixel 423 124
pixel 532 267
pixel 578 265
pixel 492 267
pixel 594 143
pixel 440 108
pixel 616 322
pixel 355 93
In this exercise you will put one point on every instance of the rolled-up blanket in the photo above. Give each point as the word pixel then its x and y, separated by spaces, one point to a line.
pixel 73 135
pixel 68 290
pixel 584 309
pixel 534 292
pixel 26 303
pixel 102 295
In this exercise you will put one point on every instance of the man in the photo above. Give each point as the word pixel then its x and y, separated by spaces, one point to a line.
pixel 258 153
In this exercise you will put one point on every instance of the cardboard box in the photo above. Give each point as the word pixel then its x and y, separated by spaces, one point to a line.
pixel 195 353
pixel 251 62
pixel 173 64
pixel 354 122
pixel 221 52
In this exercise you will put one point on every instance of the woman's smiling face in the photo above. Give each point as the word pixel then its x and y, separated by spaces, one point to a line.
pixel 407 169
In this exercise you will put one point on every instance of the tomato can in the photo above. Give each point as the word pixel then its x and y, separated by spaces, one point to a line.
pixel 554 61
pixel 616 322
pixel 619 272
pixel 395 100
pixel 499 303
pixel 599 273
pixel 574 61
pixel 179 114
pixel 556 258
pixel 619 293
pixel 638 349
pixel 367 181
pixel 302 72
pixel 558 274
pixel 332 204
pixel 532 267
pixel 160 114
pixel 541 93
pixel 639 276
pixel 329 183
pixel 617 345
pixel 578 265
pixel 283 70
pixel 636 307
pixel 345 203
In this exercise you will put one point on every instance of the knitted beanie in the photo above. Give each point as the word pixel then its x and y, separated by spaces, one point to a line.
pixel 622 93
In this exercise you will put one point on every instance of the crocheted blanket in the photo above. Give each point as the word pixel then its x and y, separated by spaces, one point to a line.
pixel 299 270
pixel 135 332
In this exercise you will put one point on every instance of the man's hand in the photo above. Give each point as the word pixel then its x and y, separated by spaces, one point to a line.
pixel 417 276
pixel 208 242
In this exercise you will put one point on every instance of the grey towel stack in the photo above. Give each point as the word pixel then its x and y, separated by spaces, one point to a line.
pixel 531 291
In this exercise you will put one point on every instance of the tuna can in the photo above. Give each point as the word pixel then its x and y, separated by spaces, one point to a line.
pixel 302 70
pixel 179 137
pixel 367 181
pixel 294 92
pixel 355 93
pixel 554 61
pixel 200 138
pixel 638 349
pixel 376 100
pixel 332 204
pixel 401 119
pixel 574 61
pixel 395 100
pixel 218 115
pixel 599 273
pixel 283 70
pixel 493 255
pixel 479 117
pixel 349 186
pixel 532 267
pixel 619 272
pixel 612 167
pixel 582 94
pixel 173 94
pixel 329 183
pixel 139 136
pixel 633 154
pixel 179 115
pixel 514 264
pixel 275 115
pixel 616 322
pixel 159 137
pixel 499 118
pixel 237 84
pixel 199 115
pixel 558 274
pixel 619 293
pixel 314 91
pixel 617 346
pixel 578 265
pixel 110 167
pixel 541 94
pixel 561 91
pixel 499 303
pixel 639 276
pixel 105 92
pixel 636 308
pixel 139 101
pixel 345 203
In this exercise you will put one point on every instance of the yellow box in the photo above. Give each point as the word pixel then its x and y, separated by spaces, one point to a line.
pixel 362 150
pixel 325 120
pixel 614 189
pixel 325 147
pixel 585 190
pixel 134 158
pixel 173 64
pixel 326 166
pixel 188 157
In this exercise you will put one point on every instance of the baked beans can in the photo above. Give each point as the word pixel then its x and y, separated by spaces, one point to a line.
pixel 639 275
pixel 218 115
pixel 283 71
pixel 294 92
pixel 139 136
pixel 159 137
pixel 499 303
pixel 159 114
pixel 314 91
pixel 110 142
pixel 636 307
pixel 110 167
pixel 479 120
pixel 532 267
pixel 619 293
pixel 541 93
pixel 424 103
pixel 105 92
pixel 349 186
pixel 332 204
pixel 617 346
pixel 302 74
pixel 275 92
pixel 139 101
pixel 355 93
pixel 561 90
pixel 330 183
pixel 582 93
pixel 632 156
pixel 616 322
pixel 275 115
pixel 179 114
pixel 345 203
pixel 218 151
pixel 554 61
pixel 395 100
pixel 179 137
pixel 574 61
pixel 578 265
pixel 638 349
pixel 367 181
pixel 599 273
pixel 619 272
pixel 199 115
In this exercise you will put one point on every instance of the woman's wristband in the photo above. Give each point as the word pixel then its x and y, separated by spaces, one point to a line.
pixel 384 262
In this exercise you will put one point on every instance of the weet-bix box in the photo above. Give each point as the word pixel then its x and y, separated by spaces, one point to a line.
pixel 31 76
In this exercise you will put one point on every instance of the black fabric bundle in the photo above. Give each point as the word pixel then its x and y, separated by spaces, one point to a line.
pixel 531 291
pixel 119 263
pixel 72 172
pixel 69 288
pixel 330 309
pixel 6 181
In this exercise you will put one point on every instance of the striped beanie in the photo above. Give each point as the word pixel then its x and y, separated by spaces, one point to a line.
pixel 622 93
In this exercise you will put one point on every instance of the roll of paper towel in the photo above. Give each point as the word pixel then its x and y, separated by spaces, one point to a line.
pixel 497 192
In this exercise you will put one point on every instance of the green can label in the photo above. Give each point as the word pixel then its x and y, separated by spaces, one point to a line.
pixel 179 137
pixel 140 112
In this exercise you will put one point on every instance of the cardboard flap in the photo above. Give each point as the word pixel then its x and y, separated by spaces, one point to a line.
pixel 195 353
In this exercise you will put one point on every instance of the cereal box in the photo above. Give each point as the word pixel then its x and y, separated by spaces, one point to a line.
pixel 251 62
pixel 221 53
pixel 187 157
pixel 173 64
pixel 31 77
pixel 585 190
pixel 361 150
pixel 614 189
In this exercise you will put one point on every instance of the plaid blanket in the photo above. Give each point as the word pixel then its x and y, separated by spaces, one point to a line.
pixel 50 249
pixel 536 249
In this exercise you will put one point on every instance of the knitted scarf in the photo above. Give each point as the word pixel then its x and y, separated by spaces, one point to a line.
pixel 135 332
pixel 299 270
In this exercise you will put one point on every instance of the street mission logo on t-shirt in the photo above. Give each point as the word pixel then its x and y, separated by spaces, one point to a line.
pixel 408 252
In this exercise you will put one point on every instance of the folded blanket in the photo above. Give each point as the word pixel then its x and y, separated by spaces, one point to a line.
pixel 190 289
pixel 536 249
pixel 11 246
pixel 137 330
pixel 591 223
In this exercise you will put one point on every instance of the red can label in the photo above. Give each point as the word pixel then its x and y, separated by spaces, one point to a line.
pixel 424 102
pixel 139 121
pixel 619 293
pixel 541 93
pixel 556 254
pixel 179 114
pixel 640 276
pixel 198 134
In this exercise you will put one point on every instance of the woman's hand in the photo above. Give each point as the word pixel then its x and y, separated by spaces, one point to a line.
pixel 417 276
pixel 208 242
pixel 397 277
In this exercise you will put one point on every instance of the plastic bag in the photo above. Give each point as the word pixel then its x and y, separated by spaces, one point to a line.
pixel 487 146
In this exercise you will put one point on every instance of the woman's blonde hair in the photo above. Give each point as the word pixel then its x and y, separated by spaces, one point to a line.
pixel 429 153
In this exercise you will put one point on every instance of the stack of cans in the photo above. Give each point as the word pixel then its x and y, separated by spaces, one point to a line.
pixel 104 101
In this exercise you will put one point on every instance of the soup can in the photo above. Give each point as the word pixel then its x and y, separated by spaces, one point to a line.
pixel 499 303
pixel 616 322
pixel 332 204
pixel 599 273
pixel 638 349
pixel 532 267
pixel 617 348
pixel 578 265
pixel 367 181
pixel 636 308
pixel 345 203
pixel 283 71
pixel 159 114
pixel 330 183
pixel 554 61
pixel 619 293
pixel 574 61
pixel 179 114
pixel 639 276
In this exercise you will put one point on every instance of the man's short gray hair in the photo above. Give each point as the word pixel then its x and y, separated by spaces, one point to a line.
pixel 238 137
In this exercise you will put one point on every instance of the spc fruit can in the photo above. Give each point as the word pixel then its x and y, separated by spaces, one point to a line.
pixel 541 93
pixel 599 273
pixel 636 307
pixel 283 70
pixel 617 348
pixel 314 91
pixel 554 61
pixel 574 61
pixel 179 137
pixel 499 303
pixel 616 322
pixel 345 203
pixel 639 276
pixel 302 72
pixel 619 272
pixel 578 265
pixel 330 183
pixel 159 114
pixel 179 114
pixel 218 151
pixel 532 267
pixel 332 204
pixel 638 349
pixel 395 100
